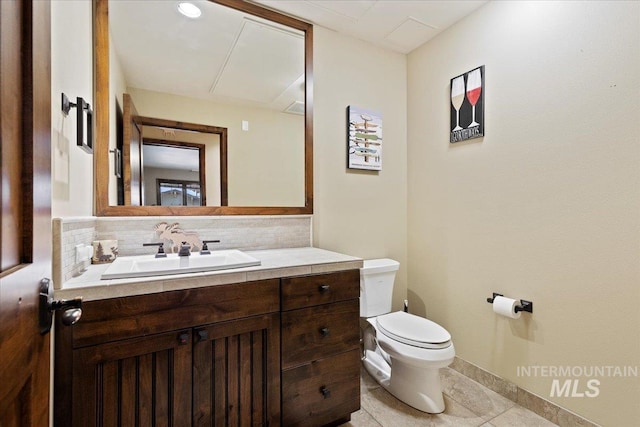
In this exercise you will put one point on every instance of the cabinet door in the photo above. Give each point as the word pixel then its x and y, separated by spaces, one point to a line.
pixel 236 373
pixel 137 382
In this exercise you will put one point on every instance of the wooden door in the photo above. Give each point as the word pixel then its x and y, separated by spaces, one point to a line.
pixel 25 196
pixel 236 373
pixel 136 382
pixel 132 155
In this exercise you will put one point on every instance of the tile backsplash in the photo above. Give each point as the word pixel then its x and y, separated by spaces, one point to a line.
pixel 67 233
pixel 234 232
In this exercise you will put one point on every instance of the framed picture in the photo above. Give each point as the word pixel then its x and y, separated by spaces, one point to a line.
pixel 467 106
pixel 364 139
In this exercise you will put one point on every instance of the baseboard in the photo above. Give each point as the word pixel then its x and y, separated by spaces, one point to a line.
pixel 546 409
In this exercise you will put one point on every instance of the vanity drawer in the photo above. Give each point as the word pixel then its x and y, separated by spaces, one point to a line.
pixel 307 291
pixel 322 391
pixel 317 332
pixel 121 318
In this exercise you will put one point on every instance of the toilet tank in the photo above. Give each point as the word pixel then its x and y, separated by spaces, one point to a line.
pixel 376 286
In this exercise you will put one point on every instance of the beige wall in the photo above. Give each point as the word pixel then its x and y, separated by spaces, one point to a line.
pixel 545 207
pixel 356 212
pixel 71 73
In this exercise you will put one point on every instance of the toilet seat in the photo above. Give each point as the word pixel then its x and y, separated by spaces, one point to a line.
pixel 413 330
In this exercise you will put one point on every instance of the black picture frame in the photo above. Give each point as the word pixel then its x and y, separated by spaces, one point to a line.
pixel 467 106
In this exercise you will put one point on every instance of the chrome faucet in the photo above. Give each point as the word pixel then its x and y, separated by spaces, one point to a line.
pixel 185 249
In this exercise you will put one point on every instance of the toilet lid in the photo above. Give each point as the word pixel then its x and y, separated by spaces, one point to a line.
pixel 413 330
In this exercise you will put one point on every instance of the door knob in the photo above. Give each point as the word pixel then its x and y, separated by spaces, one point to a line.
pixel 71 316
pixel 72 308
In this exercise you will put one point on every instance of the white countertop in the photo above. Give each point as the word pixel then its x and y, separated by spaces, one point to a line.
pixel 275 263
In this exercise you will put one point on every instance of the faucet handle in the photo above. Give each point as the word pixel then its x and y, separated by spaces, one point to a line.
pixel 185 249
pixel 205 249
pixel 160 253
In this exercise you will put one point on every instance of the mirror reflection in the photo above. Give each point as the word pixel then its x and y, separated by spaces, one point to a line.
pixel 225 69
pixel 178 171
pixel 174 186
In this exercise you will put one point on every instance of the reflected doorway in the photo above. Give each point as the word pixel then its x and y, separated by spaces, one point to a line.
pixel 172 150
pixel 174 173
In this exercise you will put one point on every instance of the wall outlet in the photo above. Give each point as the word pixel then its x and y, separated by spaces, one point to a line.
pixel 83 253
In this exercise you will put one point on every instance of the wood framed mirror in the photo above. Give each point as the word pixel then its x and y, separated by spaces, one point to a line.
pixel 258 203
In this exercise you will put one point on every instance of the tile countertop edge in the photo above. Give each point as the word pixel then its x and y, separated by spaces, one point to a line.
pixel 274 263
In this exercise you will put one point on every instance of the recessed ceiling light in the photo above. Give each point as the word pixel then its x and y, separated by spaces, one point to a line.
pixel 189 10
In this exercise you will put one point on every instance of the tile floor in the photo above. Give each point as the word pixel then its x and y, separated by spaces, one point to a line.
pixel 467 404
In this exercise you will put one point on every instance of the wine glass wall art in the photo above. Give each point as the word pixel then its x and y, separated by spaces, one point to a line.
pixel 364 139
pixel 467 106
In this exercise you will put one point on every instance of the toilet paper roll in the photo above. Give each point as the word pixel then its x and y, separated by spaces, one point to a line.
pixel 506 307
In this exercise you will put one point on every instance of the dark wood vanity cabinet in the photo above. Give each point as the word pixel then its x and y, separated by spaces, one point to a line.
pixel 207 356
pixel 223 355
pixel 132 382
pixel 320 348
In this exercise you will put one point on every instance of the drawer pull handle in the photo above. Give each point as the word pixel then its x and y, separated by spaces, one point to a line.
pixel 324 288
pixel 325 392
pixel 324 331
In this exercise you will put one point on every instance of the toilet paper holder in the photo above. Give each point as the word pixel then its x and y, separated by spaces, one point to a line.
pixel 524 304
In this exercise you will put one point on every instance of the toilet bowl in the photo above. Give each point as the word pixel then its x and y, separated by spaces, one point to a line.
pixel 403 352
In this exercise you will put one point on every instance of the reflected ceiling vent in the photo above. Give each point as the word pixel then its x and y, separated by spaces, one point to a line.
pixel 168 133
pixel 296 108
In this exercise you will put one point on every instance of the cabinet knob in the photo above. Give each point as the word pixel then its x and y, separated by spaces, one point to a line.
pixel 324 288
pixel 203 335
pixel 183 338
pixel 324 331
pixel 325 392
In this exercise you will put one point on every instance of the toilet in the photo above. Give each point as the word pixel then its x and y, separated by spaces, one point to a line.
pixel 403 352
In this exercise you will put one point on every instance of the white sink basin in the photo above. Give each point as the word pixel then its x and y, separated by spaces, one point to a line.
pixel 148 265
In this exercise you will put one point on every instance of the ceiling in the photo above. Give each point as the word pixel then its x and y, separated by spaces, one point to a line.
pixel 399 25
pixel 175 158
pixel 215 57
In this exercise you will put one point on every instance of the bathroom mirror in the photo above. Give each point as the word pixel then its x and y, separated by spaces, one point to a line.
pixel 269 142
